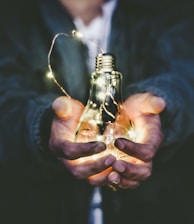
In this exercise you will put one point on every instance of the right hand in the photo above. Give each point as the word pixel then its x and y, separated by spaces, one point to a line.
pixel 72 154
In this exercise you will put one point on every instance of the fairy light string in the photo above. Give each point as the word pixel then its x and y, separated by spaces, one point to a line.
pixel 79 36
pixel 102 95
pixel 74 35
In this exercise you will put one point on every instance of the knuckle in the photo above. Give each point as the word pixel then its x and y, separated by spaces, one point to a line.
pixel 147 158
pixel 147 174
pixel 68 154
pixel 148 154
pixel 76 173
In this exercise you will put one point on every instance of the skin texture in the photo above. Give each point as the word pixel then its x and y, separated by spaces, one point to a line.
pixel 86 10
pixel 143 110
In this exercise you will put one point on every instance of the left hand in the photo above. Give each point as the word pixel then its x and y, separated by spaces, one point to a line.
pixel 78 158
pixel 143 110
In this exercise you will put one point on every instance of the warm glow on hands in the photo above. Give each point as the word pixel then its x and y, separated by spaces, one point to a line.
pixel 144 109
pixel 66 119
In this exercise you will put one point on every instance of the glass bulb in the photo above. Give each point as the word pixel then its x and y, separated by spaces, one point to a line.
pixel 104 118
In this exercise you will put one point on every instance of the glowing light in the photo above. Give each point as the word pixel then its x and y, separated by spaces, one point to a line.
pixel 132 134
pixel 101 95
pixel 76 34
pixel 50 75
pixel 100 82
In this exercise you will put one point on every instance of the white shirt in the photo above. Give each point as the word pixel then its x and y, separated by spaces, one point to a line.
pixel 96 34
pixel 96 37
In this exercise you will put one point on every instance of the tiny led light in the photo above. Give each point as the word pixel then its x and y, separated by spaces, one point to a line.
pixel 132 134
pixel 76 34
pixel 101 95
pixel 100 82
pixel 50 75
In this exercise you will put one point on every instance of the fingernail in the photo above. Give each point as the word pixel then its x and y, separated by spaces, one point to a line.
pixel 108 161
pixel 100 147
pixel 119 168
pixel 119 144
pixel 157 103
pixel 114 178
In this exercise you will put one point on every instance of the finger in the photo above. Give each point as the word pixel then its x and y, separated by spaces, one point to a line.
pixel 144 103
pixel 128 184
pixel 136 172
pixel 73 150
pixel 65 107
pixel 152 104
pixel 144 152
pixel 117 181
pixel 84 170
pixel 100 178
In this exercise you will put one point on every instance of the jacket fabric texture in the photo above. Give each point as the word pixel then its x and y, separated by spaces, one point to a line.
pixel 154 49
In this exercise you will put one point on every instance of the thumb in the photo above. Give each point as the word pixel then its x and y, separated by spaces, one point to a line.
pixel 153 104
pixel 64 107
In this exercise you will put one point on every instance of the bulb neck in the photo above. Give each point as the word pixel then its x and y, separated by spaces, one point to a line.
pixel 105 62
pixel 106 82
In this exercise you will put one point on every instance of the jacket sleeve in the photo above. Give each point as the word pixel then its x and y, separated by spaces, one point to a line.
pixel 171 76
pixel 25 105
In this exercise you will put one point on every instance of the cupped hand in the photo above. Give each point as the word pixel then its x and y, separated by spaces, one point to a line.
pixel 143 110
pixel 78 158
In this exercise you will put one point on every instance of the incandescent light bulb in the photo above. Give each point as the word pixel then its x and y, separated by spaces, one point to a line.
pixel 105 118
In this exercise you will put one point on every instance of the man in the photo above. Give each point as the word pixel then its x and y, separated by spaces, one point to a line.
pixel 42 180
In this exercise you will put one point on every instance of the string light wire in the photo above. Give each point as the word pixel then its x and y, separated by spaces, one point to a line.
pixel 74 35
